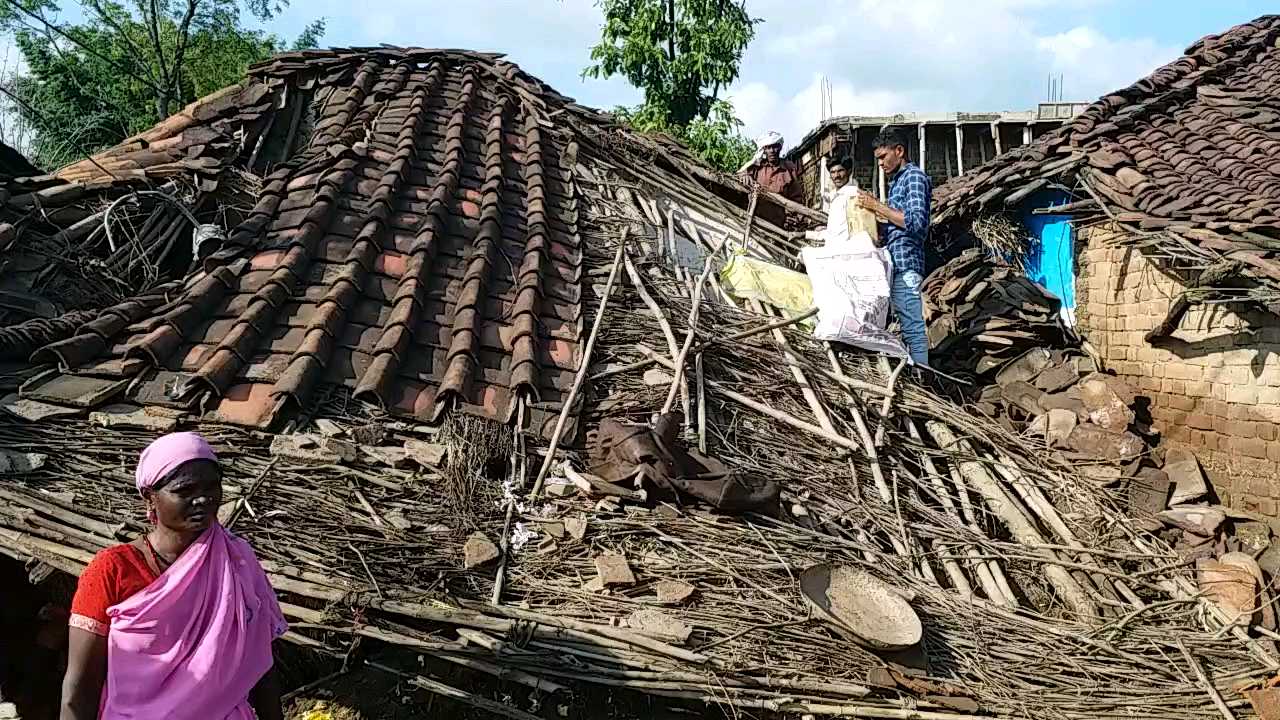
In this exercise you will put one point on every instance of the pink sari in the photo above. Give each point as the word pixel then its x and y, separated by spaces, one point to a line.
pixel 196 641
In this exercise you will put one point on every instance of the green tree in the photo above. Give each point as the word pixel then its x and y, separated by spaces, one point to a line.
pixel 126 66
pixel 717 139
pixel 682 54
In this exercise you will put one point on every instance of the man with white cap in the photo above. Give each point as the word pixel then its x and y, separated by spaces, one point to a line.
pixel 770 171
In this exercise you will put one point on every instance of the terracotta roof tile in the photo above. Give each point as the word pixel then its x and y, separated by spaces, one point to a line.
pixel 419 246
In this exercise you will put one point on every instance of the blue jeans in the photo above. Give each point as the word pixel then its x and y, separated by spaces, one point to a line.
pixel 909 307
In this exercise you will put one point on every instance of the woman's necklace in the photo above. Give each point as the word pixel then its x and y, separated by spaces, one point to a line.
pixel 160 561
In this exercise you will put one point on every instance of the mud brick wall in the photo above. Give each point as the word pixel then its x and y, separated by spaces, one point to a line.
pixel 1213 386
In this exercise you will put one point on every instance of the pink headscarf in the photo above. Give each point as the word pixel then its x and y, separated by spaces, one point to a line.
pixel 166 454
pixel 199 637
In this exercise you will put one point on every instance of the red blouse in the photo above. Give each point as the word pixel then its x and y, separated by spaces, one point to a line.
pixel 114 575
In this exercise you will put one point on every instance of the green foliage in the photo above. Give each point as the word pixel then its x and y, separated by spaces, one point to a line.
pixel 682 54
pixel 127 66
pixel 716 139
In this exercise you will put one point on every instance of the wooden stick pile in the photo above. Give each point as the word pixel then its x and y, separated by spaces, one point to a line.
pixel 1039 598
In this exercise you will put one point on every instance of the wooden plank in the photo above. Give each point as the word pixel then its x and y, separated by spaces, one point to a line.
pixel 73 390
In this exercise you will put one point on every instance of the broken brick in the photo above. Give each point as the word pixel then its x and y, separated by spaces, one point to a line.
pixel 479 551
pixel 673 592
pixel 1184 470
pixel 614 570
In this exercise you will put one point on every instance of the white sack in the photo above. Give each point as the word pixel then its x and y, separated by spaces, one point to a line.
pixel 851 291
pixel 844 222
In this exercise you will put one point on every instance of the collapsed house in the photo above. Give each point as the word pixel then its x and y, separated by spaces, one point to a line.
pixel 478 393
pixel 1168 191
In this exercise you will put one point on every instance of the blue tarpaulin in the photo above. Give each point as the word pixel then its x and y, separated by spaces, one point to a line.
pixel 1050 256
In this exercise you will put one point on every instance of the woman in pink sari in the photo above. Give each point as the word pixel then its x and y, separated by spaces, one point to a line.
pixel 177 624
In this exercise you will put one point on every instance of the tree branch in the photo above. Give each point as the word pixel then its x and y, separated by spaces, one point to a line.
pixel 671 31
pixel 27 106
pixel 90 90
pixel 153 27
pixel 110 22
pixel 52 27
pixel 184 36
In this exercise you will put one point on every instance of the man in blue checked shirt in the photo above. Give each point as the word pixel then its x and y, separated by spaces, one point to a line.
pixel 904 225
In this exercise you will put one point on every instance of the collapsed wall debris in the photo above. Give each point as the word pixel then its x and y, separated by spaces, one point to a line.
pixel 1053 392
pixel 454 507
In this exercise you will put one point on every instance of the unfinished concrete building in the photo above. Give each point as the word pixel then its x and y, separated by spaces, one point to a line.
pixel 944 144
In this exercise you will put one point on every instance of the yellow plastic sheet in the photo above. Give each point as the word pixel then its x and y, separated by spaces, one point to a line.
pixel 750 279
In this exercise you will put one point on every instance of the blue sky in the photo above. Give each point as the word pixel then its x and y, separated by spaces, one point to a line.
pixel 880 56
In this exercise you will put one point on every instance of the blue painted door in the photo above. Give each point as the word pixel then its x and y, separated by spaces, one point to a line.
pixel 1050 256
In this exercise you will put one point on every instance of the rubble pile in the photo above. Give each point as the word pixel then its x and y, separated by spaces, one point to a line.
pixel 991 324
pixel 1061 398
pixel 1055 394
pixel 982 314
pixel 1233 553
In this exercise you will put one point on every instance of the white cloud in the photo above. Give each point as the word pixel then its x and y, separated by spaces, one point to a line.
pixel 1074 54
pixel 901 56
pixel 762 108
pixel 881 56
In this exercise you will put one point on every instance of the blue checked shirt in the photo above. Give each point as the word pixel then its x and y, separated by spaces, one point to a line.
pixel 910 191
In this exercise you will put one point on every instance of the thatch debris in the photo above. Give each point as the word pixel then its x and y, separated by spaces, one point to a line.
pixel 1037 593
pixel 1002 237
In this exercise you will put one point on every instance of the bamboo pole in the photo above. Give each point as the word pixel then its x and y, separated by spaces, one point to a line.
pixel 1021 528
pixel 761 408
pixel 454 693
pixel 1212 691
pixel 901 545
pixel 607 631
pixel 985 578
pixel 583 368
pixel 672 346
pixel 1035 499
pixel 678 381
pixel 700 347
pixel 806 388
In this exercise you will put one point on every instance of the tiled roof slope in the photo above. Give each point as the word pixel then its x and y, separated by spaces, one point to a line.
pixel 1193 150
pixel 417 242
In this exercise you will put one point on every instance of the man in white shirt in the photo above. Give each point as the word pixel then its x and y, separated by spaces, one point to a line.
pixel 840 171
pixel 838 232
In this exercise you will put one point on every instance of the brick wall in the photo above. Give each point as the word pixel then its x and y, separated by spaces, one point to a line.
pixel 1213 386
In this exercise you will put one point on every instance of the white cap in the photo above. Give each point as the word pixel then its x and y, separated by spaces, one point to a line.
pixel 768 139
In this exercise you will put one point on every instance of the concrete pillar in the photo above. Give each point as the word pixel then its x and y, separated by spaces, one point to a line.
pixel 884 195
pixel 959 149
pixel 920 130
